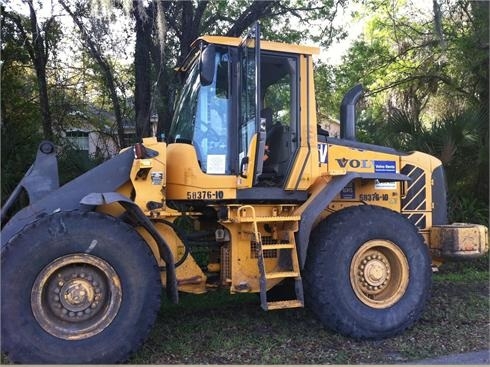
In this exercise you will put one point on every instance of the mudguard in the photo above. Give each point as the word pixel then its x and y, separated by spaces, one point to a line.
pixel 324 197
pixel 139 218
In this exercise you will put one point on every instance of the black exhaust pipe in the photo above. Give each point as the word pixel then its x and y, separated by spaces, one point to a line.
pixel 348 113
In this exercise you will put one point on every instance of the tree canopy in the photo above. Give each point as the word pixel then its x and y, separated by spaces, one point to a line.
pixel 426 81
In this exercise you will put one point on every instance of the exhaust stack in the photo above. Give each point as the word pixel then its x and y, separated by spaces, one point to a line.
pixel 348 113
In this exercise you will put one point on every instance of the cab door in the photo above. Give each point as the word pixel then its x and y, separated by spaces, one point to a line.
pixel 251 127
pixel 268 119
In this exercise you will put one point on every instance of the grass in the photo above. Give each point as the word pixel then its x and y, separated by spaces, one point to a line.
pixel 218 328
pixel 464 271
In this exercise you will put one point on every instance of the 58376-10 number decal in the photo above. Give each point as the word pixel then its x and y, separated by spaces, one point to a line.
pixel 374 197
pixel 205 195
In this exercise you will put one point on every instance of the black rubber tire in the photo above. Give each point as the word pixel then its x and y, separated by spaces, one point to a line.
pixel 62 234
pixel 329 292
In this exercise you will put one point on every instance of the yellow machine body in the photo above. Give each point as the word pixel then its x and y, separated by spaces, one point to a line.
pixel 258 234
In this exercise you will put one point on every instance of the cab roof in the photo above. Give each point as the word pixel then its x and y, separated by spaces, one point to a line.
pixel 235 42
pixel 264 45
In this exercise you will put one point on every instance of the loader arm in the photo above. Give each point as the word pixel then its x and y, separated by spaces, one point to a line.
pixel 107 177
pixel 39 180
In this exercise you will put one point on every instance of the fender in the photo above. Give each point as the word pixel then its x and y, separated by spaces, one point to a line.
pixel 324 197
pixel 139 218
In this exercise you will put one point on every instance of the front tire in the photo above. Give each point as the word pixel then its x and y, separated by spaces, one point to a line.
pixel 78 288
pixel 367 273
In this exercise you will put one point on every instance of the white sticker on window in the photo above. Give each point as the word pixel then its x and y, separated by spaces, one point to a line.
pixel 216 164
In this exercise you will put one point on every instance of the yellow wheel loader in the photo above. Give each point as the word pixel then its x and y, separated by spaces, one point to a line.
pixel 348 229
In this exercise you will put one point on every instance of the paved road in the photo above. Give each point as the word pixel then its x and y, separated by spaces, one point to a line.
pixel 472 358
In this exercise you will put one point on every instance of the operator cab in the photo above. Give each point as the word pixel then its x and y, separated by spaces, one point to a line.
pixel 239 109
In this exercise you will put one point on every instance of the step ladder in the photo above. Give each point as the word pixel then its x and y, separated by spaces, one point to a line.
pixel 287 252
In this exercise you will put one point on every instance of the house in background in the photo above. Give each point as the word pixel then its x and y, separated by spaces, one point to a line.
pixel 92 142
pixel 98 141
pixel 94 132
pixel 331 125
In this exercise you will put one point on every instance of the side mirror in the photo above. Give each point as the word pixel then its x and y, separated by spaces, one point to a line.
pixel 206 65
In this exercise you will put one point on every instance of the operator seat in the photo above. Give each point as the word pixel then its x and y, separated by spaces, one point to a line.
pixel 275 142
pixel 266 114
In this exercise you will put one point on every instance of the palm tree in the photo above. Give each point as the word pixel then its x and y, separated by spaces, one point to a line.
pixel 460 141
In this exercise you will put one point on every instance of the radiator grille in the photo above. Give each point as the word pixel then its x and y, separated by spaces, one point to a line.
pixel 415 202
pixel 225 265
pixel 415 198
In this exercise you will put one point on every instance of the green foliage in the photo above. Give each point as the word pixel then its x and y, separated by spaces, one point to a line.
pixel 327 91
pixel 404 63
pixel 459 140
pixel 469 270
pixel 467 209
pixel 76 98
pixel 20 128
pixel 73 163
pixel 426 81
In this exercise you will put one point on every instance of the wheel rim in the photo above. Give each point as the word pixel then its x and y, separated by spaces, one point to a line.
pixel 76 296
pixel 379 273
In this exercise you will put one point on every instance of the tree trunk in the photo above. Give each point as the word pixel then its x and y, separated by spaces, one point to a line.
pixel 438 23
pixel 165 87
pixel 480 12
pixel 252 14
pixel 39 56
pixel 107 72
pixel 142 94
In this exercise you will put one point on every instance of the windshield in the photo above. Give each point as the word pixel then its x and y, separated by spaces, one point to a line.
pixel 183 121
pixel 202 114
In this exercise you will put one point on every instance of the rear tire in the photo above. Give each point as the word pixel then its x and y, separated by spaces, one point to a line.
pixel 367 272
pixel 79 288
